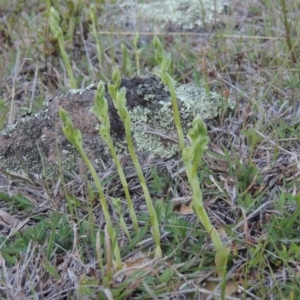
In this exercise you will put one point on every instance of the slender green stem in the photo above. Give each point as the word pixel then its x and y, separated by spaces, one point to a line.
pixel 99 46
pixel 137 53
pixel 164 61
pixel 287 26
pixel 116 202
pixel 119 98
pixel 103 204
pixel 192 156
pixel 75 138
pixel 152 213
pixel 170 85
pixel 100 110
pixel 58 34
pixel 126 64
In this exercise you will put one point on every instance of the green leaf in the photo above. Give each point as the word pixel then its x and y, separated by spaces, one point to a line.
pixel 51 270
pixel 17 200
pixel 135 240
pixel 159 55
pixel 116 77
pixel 167 275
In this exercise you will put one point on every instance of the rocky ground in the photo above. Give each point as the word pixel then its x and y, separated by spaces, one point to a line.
pixel 50 214
pixel 36 143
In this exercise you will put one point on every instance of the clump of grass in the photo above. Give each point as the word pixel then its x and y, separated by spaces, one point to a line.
pixel 192 155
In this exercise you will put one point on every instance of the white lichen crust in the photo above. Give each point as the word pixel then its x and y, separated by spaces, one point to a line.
pixel 155 131
pixel 185 14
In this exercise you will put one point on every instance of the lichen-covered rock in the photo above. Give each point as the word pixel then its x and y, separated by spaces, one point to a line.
pixel 161 16
pixel 36 143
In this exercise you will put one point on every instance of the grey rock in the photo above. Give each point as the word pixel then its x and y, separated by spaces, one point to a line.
pixel 36 143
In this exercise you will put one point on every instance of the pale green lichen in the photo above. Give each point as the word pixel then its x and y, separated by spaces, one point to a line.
pixel 187 14
pixel 152 127
pixel 146 127
pixel 8 130
pixel 80 91
pixel 195 100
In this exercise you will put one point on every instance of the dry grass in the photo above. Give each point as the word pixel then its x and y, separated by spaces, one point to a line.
pixel 249 177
